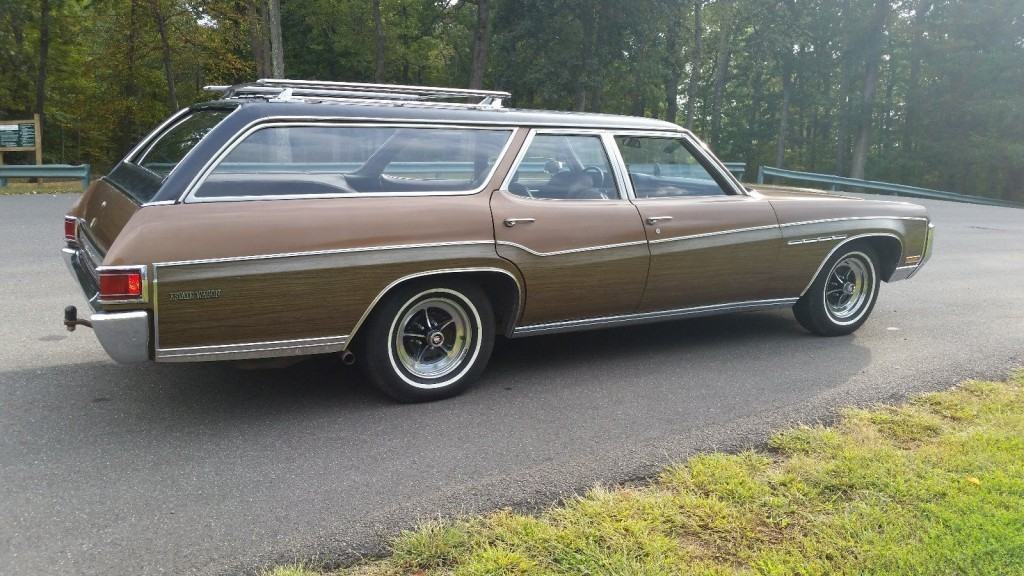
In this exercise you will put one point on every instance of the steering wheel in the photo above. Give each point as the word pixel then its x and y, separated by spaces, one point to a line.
pixel 597 175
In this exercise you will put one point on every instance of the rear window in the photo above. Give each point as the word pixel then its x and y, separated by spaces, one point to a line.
pixel 309 160
pixel 164 154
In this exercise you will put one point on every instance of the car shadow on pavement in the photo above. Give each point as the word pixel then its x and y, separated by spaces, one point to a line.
pixel 207 392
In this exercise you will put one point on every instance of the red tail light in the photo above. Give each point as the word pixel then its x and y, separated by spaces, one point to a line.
pixel 122 284
pixel 70 230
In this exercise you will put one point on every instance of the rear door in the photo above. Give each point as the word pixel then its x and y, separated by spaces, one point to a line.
pixel 710 243
pixel 563 219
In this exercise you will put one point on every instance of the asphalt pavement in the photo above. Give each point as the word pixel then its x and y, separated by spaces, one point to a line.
pixel 208 469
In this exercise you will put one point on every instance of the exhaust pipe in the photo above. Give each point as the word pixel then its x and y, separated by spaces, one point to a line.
pixel 348 358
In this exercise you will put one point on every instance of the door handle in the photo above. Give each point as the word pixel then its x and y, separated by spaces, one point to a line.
pixel 510 222
pixel 655 219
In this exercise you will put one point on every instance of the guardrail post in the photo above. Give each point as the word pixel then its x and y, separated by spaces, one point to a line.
pixel 760 174
pixel 86 177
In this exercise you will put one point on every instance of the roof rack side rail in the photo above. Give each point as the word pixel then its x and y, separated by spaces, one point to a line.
pixel 274 87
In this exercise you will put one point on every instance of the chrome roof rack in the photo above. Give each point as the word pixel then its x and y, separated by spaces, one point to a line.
pixel 284 90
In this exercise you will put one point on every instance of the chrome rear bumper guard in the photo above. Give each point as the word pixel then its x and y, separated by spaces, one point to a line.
pixel 123 335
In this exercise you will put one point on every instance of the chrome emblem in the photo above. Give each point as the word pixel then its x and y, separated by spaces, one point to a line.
pixel 194 295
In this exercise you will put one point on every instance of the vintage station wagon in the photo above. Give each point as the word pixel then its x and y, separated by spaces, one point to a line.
pixel 403 229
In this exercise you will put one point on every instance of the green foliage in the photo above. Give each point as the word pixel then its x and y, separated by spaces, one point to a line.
pixel 947 112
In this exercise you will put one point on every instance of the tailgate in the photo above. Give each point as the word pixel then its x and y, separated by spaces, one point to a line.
pixel 103 212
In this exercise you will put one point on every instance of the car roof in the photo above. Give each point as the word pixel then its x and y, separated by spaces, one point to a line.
pixel 256 108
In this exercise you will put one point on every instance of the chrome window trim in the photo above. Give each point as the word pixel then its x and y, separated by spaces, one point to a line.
pixel 646 317
pixel 251 350
pixel 162 131
pixel 603 136
pixel 154 134
pixel 572 250
pixel 489 269
pixel 702 152
pixel 845 242
pixel 189 195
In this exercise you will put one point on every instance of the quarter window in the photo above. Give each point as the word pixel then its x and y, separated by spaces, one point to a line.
pixel 331 160
pixel 665 168
pixel 565 167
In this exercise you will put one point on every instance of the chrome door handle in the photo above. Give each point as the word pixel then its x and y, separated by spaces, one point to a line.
pixel 655 219
pixel 510 222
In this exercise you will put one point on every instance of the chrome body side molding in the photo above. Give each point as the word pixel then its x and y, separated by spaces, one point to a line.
pixel 251 350
pixel 571 250
pixel 648 317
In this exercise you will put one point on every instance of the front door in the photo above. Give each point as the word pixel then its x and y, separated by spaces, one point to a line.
pixel 710 244
pixel 563 220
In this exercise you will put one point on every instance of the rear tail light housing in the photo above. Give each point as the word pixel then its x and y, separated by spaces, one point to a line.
pixel 71 230
pixel 122 284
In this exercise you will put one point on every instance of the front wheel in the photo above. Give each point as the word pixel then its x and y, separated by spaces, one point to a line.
pixel 428 342
pixel 841 298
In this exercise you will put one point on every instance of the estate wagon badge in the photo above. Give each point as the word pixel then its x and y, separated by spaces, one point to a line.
pixel 195 295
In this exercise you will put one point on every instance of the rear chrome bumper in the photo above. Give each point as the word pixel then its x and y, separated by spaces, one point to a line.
pixel 123 335
pixel 907 272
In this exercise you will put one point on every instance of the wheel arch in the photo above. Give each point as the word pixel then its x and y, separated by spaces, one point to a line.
pixel 888 246
pixel 503 288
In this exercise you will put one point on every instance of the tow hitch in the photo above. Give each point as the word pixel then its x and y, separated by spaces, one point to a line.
pixel 71 320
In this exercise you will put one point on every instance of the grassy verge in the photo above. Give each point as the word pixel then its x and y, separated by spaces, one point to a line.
pixel 932 487
pixel 44 187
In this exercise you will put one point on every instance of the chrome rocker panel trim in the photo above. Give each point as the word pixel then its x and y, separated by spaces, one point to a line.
pixel 252 350
pixel 648 317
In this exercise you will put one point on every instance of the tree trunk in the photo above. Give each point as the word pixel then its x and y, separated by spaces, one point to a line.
pixel 691 97
pixel 378 27
pixel 914 87
pixel 721 72
pixel 589 21
pixel 276 45
pixel 165 51
pixel 787 89
pixel 259 38
pixel 672 64
pixel 481 43
pixel 44 49
pixel 872 60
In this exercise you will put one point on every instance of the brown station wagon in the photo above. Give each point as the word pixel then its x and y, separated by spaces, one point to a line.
pixel 405 228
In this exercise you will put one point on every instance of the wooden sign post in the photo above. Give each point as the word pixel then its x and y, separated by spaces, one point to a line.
pixel 21 136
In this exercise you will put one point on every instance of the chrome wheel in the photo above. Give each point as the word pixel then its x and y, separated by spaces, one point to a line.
pixel 849 287
pixel 433 337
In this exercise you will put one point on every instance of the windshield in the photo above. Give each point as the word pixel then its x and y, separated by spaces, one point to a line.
pixel 164 154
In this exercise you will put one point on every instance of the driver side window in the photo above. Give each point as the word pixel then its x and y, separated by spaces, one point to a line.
pixel 565 167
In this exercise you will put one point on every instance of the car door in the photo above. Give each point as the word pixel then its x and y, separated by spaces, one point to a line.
pixel 711 242
pixel 562 217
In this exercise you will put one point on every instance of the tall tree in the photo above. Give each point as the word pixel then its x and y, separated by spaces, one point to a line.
pixel 44 50
pixel 722 58
pixel 872 60
pixel 695 64
pixel 160 19
pixel 481 43
pixel 378 27
pixel 276 43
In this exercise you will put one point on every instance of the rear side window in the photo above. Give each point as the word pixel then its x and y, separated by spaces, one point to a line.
pixel 308 160
pixel 164 154
pixel 665 168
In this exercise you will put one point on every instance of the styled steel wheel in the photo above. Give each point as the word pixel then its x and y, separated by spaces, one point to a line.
pixel 429 342
pixel 849 286
pixel 843 294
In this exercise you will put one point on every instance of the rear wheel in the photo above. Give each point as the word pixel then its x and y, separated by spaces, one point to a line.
pixel 427 342
pixel 841 298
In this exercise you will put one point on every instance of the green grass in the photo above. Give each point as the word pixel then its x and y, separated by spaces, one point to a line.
pixel 45 187
pixel 935 486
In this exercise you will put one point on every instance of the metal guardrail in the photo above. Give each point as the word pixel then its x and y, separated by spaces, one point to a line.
pixel 82 172
pixel 738 169
pixel 883 187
